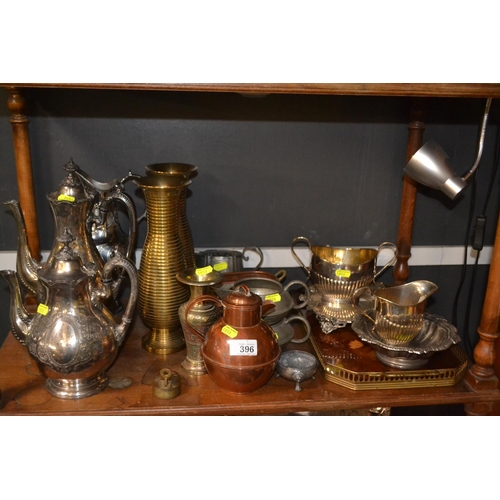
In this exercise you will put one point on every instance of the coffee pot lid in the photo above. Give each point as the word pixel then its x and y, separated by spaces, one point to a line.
pixel 71 188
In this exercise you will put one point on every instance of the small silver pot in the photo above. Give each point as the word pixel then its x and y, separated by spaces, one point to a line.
pixel 227 261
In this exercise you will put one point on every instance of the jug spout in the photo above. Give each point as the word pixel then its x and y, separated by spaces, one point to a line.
pixel 20 319
pixel 27 267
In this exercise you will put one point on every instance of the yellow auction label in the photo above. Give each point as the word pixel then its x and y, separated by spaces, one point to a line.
pixel 66 197
pixel 273 297
pixel 42 309
pixel 343 273
pixel 220 266
pixel 201 271
pixel 229 331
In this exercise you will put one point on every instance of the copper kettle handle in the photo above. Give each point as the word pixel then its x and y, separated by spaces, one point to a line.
pixel 201 298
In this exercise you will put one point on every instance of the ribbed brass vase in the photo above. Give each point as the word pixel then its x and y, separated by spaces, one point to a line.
pixel 186 171
pixel 160 294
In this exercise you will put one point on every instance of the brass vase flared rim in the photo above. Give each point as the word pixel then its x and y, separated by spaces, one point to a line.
pixel 162 182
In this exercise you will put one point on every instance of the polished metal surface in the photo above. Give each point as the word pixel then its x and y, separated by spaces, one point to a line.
pixel 201 316
pixel 399 310
pixel 160 292
pixel 297 366
pixel 103 221
pixel 73 338
pixel 240 350
pixel 431 166
pixel 436 335
pixel 187 172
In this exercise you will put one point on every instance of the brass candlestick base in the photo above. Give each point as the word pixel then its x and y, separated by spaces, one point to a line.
pixel 163 341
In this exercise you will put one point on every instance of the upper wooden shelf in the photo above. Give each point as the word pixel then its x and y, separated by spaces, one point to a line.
pixel 367 89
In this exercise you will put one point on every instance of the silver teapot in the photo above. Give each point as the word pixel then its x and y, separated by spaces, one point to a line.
pixel 73 337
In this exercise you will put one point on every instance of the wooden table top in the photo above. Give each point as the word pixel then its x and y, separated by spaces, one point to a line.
pixel 23 390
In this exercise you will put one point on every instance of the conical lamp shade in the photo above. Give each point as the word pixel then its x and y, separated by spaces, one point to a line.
pixel 431 167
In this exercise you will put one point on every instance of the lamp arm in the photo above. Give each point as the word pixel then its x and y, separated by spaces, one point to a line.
pixel 481 141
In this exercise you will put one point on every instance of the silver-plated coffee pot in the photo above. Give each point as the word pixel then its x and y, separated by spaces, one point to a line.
pixel 73 337
pixel 103 221
pixel 71 206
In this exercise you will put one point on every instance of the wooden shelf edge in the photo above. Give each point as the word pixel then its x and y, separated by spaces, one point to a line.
pixel 476 90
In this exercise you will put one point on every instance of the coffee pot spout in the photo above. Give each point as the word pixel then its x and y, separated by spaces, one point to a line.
pixel 20 319
pixel 26 265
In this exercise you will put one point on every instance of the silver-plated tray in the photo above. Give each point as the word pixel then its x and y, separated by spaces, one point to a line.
pixel 437 334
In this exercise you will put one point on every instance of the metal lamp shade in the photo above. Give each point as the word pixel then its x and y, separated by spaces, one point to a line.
pixel 431 167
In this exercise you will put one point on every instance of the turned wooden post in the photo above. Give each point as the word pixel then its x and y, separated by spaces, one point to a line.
pixel 416 129
pixel 22 153
pixel 481 377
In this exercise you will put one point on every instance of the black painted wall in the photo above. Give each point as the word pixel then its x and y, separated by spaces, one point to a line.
pixel 270 168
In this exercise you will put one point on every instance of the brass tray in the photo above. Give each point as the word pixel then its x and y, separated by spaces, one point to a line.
pixel 347 361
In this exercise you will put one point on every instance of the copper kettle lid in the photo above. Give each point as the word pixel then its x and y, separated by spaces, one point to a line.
pixel 242 296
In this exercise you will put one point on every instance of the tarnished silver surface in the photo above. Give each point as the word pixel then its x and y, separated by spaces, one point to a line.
pixel 399 310
pixel 72 336
pixel 227 261
pixel 297 366
pixel 285 331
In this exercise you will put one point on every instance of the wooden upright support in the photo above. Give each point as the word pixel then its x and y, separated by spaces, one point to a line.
pixel 22 153
pixel 416 128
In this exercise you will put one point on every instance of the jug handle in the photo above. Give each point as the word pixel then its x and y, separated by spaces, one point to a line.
pixel 355 300
pixel 299 317
pixel 280 275
pixel 301 239
pixel 394 248
pixel 305 298
pixel 197 300
pixel 257 250
pixel 132 217
pixel 107 278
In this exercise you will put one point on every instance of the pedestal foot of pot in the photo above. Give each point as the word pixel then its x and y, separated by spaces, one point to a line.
pixel 77 388
pixel 163 341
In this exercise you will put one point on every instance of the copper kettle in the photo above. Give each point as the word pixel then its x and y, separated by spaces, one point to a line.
pixel 240 350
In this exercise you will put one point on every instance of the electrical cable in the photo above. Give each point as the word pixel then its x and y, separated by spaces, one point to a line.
pixel 478 246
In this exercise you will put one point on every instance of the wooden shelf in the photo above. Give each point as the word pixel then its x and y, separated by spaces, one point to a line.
pixel 24 393
pixel 361 89
pixel 22 386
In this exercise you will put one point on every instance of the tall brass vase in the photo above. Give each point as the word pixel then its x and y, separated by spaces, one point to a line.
pixel 186 171
pixel 160 294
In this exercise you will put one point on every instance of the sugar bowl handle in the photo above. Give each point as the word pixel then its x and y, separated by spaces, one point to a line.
pixel 394 248
pixel 301 239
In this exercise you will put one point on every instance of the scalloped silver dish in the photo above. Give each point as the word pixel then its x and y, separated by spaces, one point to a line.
pixel 437 334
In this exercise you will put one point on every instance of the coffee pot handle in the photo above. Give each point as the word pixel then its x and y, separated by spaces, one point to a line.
pixel 301 239
pixel 394 248
pixel 107 278
pixel 355 300
pixel 132 218
pixel 197 300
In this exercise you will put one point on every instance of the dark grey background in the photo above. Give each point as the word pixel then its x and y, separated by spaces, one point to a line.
pixel 270 168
